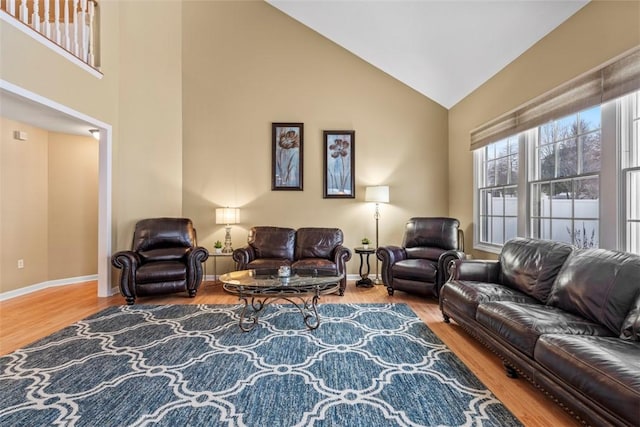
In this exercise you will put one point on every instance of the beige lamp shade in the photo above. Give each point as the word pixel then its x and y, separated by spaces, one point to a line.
pixel 227 215
pixel 377 194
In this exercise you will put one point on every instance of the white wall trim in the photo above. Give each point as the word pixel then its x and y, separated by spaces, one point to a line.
pixel 105 180
pixel 44 285
pixel 16 23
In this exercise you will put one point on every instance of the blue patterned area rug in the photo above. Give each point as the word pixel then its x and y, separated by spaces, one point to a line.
pixel 366 365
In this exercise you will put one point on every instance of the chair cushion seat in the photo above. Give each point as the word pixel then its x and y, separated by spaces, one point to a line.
pixel 161 271
pixel 267 263
pixel 320 264
pixel 422 270
pixel 522 324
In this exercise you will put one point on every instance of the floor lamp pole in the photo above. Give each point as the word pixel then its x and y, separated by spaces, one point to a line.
pixel 377 217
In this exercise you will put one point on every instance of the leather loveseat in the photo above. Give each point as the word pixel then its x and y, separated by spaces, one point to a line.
pixel 311 248
pixel 567 319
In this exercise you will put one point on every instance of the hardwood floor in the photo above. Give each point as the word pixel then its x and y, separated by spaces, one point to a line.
pixel 34 316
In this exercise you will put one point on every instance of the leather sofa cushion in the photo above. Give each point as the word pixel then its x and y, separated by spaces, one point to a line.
pixel 631 325
pixel 600 285
pixel 272 242
pixel 316 242
pixel 466 295
pixel 531 265
pixel 432 254
pixel 268 264
pixel 309 264
pixel 161 271
pixel 605 369
pixel 432 232
pixel 522 324
pixel 164 254
pixel 422 270
pixel 158 233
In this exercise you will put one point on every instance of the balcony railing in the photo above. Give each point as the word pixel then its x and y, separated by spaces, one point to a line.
pixel 71 24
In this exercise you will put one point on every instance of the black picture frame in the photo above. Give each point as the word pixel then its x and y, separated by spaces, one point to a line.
pixel 339 164
pixel 287 141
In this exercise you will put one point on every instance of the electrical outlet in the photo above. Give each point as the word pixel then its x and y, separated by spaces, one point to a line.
pixel 20 263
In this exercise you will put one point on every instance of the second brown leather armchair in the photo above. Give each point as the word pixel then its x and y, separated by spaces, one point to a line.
pixel 420 264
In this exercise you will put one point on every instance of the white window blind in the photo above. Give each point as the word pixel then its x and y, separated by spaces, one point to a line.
pixel 609 81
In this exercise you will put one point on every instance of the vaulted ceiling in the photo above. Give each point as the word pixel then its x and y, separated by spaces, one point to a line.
pixel 444 49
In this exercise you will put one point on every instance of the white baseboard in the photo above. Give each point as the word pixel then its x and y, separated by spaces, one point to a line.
pixel 44 285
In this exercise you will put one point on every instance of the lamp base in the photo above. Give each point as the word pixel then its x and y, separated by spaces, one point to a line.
pixel 227 241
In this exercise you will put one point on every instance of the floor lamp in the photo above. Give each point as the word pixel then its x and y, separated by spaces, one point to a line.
pixel 377 194
pixel 227 216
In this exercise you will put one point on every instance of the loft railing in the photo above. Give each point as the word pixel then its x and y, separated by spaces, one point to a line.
pixel 71 24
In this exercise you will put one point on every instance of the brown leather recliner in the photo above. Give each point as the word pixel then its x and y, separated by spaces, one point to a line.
pixel 420 264
pixel 164 258
pixel 307 249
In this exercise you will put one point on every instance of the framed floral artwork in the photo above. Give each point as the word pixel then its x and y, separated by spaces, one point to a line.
pixel 286 156
pixel 339 164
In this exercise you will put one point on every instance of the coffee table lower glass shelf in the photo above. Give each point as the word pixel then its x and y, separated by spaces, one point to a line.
pixel 258 289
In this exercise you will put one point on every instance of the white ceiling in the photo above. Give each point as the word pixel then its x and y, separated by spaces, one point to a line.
pixel 444 49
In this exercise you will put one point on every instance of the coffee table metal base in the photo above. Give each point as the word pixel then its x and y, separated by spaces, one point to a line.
pixel 253 307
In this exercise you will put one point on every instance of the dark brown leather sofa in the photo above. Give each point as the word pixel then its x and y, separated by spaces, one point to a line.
pixel 311 248
pixel 164 258
pixel 419 265
pixel 566 319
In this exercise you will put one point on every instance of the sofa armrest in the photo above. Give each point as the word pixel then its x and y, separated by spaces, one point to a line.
pixel 243 256
pixel 341 255
pixel 128 262
pixel 444 262
pixel 195 257
pixel 475 270
pixel 389 255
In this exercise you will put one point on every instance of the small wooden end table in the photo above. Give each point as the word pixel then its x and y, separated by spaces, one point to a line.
pixel 364 253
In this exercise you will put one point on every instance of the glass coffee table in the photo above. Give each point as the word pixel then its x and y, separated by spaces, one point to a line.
pixel 257 289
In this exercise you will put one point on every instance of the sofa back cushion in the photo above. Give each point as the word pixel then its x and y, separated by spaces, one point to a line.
pixel 272 242
pixel 163 239
pixel 531 265
pixel 599 284
pixel 316 242
pixel 428 237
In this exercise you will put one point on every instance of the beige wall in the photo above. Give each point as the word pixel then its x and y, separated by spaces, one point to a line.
pixel 148 153
pixel 73 206
pixel 24 206
pixel 49 206
pixel 594 35
pixel 246 65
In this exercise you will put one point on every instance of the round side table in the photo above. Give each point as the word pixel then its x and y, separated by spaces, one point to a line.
pixel 364 281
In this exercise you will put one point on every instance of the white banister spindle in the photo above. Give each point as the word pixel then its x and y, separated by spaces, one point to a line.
pixel 47 20
pixel 23 12
pixel 82 21
pixel 76 45
pixel 92 14
pixel 67 39
pixel 11 7
pixel 35 17
pixel 56 22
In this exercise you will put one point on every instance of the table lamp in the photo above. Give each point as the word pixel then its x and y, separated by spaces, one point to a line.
pixel 227 216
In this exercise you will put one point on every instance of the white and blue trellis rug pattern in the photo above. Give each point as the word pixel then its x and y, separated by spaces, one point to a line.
pixel 366 365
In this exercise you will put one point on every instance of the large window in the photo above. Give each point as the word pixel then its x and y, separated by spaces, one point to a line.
pixel 498 192
pixel 630 116
pixel 560 180
pixel 565 184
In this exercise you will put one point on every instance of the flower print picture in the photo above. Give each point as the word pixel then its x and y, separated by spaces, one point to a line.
pixel 339 161
pixel 286 162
